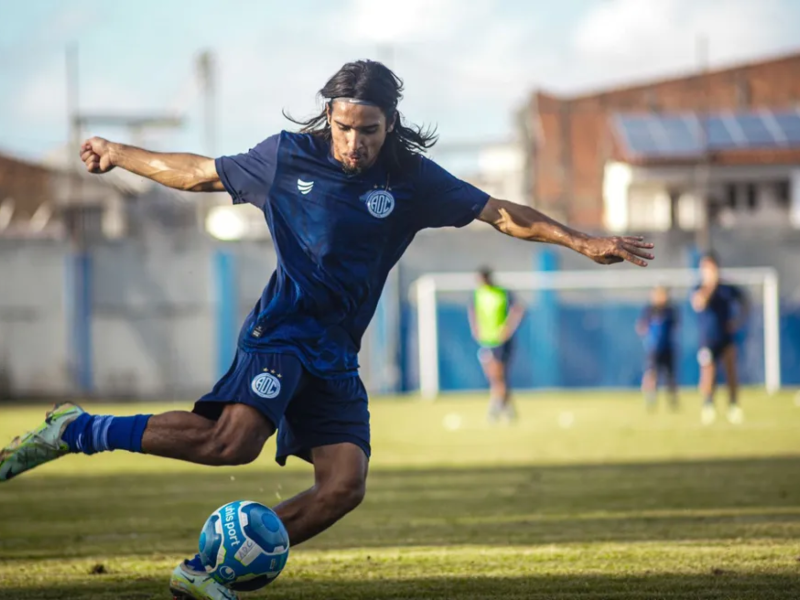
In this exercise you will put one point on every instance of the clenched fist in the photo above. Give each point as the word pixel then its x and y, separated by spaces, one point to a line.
pixel 96 155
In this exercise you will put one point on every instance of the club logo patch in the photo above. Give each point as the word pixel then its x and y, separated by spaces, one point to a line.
pixel 266 385
pixel 380 203
pixel 304 187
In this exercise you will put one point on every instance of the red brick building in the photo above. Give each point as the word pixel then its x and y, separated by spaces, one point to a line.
pixel 573 139
pixel 36 199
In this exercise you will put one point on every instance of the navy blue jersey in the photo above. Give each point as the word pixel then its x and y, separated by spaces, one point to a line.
pixel 336 236
pixel 721 310
pixel 659 324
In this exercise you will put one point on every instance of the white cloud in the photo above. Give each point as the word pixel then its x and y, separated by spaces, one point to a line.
pixel 398 21
pixel 467 65
pixel 620 40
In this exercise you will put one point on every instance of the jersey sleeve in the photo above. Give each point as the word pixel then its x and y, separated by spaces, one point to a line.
pixel 737 293
pixel 248 177
pixel 444 200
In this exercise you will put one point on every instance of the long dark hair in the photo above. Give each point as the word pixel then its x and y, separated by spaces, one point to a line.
pixel 371 81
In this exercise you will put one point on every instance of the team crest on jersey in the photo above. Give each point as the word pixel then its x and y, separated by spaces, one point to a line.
pixel 266 385
pixel 380 203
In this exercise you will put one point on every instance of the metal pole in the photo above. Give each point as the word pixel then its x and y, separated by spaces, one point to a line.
pixel 702 169
pixel 772 342
pixel 73 99
pixel 206 64
pixel 427 338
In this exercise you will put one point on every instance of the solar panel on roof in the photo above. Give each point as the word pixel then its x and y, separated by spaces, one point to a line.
pixel 637 134
pixel 678 135
pixel 756 131
pixel 718 134
pixel 790 126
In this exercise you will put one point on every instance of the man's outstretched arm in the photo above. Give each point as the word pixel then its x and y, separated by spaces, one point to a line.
pixel 526 223
pixel 188 172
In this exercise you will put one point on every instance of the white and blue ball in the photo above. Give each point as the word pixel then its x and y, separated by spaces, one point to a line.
pixel 244 546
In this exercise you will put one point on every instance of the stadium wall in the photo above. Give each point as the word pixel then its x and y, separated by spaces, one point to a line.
pixel 160 326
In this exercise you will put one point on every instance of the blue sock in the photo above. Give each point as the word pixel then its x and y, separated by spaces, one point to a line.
pixel 709 401
pixel 103 433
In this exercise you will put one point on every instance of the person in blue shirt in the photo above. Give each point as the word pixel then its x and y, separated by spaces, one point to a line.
pixel 722 310
pixel 343 198
pixel 656 326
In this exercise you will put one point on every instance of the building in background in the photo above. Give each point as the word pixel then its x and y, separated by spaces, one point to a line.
pixel 718 148
pixel 500 171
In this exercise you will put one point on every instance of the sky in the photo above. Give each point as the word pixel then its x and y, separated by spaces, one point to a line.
pixel 468 65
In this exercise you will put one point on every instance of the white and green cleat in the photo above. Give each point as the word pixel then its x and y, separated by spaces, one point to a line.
pixel 40 445
pixel 189 583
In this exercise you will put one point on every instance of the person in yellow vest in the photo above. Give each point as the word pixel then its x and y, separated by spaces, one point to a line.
pixel 494 318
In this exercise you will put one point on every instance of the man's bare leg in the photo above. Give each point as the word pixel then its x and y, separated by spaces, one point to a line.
pixel 237 437
pixel 735 414
pixel 340 475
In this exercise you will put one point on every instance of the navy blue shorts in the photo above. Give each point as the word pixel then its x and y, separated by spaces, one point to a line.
pixel 500 353
pixel 308 411
pixel 660 362
pixel 711 352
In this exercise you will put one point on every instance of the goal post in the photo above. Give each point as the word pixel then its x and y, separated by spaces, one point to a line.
pixel 611 286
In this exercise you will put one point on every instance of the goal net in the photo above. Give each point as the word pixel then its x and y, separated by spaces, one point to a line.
pixel 579 329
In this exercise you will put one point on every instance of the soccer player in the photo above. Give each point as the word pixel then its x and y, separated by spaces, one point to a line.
pixel 656 326
pixel 343 199
pixel 494 318
pixel 722 311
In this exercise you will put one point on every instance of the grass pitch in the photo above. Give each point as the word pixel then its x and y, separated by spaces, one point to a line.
pixel 587 497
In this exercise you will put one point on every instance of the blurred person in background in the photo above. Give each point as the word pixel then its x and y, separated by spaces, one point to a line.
pixel 722 311
pixel 494 317
pixel 343 198
pixel 656 327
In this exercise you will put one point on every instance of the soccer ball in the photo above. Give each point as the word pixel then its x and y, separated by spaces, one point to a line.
pixel 244 546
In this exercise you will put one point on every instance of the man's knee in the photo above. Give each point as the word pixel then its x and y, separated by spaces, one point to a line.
pixel 225 450
pixel 343 495
pixel 237 439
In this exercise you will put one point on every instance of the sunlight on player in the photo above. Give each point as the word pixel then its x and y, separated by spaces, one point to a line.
pixel 722 311
pixel 343 200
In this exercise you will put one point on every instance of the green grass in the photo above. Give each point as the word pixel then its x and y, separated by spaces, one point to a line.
pixel 620 504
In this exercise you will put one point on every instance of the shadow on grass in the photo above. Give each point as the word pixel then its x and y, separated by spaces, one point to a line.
pixel 723 586
pixel 162 513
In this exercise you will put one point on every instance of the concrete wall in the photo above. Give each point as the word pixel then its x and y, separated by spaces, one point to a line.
pixel 33 325
pixel 155 305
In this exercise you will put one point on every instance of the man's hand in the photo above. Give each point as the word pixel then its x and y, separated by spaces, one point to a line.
pixel 610 250
pixel 96 155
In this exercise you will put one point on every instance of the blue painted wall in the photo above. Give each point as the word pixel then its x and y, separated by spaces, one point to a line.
pixel 590 346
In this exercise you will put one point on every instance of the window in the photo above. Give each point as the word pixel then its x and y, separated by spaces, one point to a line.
pixel 730 196
pixel 752 196
pixel 783 192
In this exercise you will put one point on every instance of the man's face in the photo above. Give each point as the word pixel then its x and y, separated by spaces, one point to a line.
pixel 660 296
pixel 709 272
pixel 358 132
